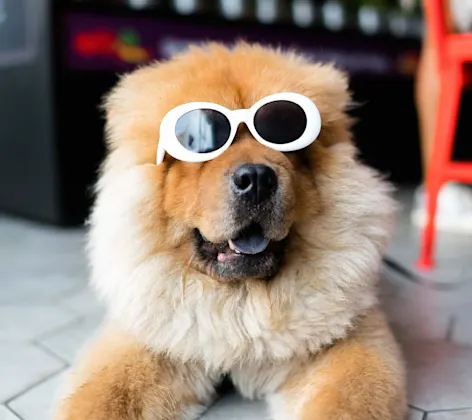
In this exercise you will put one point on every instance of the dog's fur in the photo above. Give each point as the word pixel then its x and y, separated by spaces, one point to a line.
pixel 311 340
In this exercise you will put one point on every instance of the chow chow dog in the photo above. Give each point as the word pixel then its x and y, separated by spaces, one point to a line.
pixel 235 234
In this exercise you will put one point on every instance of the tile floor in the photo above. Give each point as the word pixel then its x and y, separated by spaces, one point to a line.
pixel 47 313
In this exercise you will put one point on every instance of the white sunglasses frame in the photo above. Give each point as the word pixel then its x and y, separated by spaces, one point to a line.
pixel 168 142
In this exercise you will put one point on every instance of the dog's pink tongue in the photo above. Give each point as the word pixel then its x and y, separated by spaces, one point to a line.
pixel 250 243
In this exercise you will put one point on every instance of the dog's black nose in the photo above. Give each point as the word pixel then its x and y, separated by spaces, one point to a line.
pixel 255 183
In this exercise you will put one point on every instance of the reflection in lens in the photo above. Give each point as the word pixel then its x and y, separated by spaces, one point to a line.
pixel 202 130
pixel 280 122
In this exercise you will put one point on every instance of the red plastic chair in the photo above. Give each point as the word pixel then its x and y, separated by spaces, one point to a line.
pixel 453 51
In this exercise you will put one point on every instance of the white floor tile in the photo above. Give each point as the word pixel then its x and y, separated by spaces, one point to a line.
pixel 452 254
pixel 29 249
pixel 21 366
pixel 6 414
pixel 462 333
pixel 415 312
pixel 415 414
pixel 84 302
pixel 38 403
pixel 451 415
pixel 69 341
pixel 35 289
pixel 27 322
pixel 439 375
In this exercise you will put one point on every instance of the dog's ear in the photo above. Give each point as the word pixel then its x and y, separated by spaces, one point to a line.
pixel 131 109
pixel 115 111
pixel 329 89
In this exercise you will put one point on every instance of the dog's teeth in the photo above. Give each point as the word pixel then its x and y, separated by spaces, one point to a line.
pixel 233 247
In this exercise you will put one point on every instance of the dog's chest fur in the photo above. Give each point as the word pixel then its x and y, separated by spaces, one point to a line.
pixel 312 301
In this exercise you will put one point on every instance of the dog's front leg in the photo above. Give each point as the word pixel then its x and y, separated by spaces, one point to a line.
pixel 360 378
pixel 118 378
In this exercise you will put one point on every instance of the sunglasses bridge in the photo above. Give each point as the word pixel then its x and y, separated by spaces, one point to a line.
pixel 239 115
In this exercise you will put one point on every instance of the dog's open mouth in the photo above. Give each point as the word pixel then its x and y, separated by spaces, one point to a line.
pixel 251 241
pixel 249 254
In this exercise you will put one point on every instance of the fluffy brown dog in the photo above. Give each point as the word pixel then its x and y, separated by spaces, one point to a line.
pixel 298 324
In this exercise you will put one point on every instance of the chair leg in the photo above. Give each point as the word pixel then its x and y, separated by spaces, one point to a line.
pixel 451 80
pixel 425 262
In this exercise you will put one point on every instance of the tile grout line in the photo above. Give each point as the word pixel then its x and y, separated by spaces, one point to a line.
pixel 14 412
pixel 50 352
pixel 450 329
pixel 451 410
pixel 416 408
pixel 411 276
pixel 34 385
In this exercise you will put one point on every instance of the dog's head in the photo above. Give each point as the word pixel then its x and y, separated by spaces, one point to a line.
pixel 230 217
pixel 252 218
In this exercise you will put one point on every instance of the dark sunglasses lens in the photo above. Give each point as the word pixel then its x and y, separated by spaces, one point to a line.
pixel 280 122
pixel 202 130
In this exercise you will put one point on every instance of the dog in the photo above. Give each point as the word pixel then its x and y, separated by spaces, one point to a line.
pixel 231 250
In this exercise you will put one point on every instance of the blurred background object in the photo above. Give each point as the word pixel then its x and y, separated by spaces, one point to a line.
pixel 58 58
pixel 443 74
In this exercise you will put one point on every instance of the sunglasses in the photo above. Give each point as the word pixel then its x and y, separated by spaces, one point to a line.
pixel 201 131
